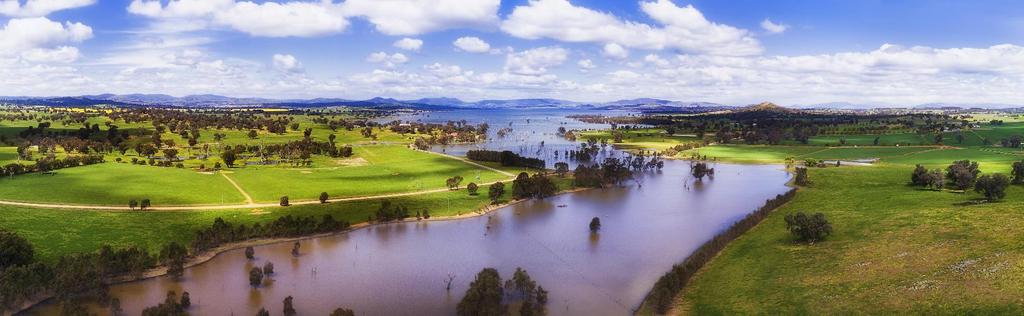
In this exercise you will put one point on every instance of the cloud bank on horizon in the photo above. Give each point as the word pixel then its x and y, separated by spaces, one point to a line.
pixel 587 50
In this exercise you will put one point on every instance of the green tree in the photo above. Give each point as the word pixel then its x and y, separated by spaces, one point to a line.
pixel 561 168
pixel 993 187
pixel 1018 172
pixel 14 250
pixel 472 188
pixel 495 191
pixel 920 176
pixel 808 228
pixel 284 201
pixel 801 176
pixel 484 296
pixel 324 197
pixel 229 158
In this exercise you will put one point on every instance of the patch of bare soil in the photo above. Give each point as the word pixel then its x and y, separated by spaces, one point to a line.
pixel 352 162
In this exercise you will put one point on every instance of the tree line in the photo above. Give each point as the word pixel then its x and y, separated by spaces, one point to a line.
pixel 666 288
pixel 506 158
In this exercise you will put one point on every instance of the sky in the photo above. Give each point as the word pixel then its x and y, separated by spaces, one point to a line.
pixel 731 52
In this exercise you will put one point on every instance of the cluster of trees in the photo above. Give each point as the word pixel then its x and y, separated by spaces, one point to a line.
pixel 388 212
pixel 673 281
pixel 611 171
pixel 75 278
pixel 965 174
pixel 222 232
pixel 443 134
pixel 537 186
pixel 806 228
pixel 171 306
pixel 506 158
pixel 700 170
pixel 49 164
pixel 71 279
pixel 487 297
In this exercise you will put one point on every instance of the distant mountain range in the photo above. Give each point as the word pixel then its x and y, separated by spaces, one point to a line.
pixel 208 100
pixel 440 103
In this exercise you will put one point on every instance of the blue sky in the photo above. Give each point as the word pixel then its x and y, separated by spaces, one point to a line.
pixel 735 52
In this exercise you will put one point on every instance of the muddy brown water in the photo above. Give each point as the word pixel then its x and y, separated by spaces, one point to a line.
pixel 401 269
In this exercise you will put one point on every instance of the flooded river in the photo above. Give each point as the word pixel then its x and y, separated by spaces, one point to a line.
pixel 401 269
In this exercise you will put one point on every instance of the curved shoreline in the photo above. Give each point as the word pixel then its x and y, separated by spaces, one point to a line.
pixel 210 254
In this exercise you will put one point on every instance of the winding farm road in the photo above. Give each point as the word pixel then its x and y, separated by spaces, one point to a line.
pixel 249 201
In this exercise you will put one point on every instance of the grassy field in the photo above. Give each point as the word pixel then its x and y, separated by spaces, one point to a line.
pixel 377 170
pixel 116 183
pixel 651 138
pixel 895 248
pixel 57 232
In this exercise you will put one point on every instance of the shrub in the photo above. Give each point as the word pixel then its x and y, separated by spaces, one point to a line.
pixel 808 228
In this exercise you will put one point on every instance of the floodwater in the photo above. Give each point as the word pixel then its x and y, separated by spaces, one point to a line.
pixel 648 225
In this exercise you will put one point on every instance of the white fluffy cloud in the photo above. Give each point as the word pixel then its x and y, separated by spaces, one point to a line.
pixel 266 19
pixel 412 17
pixel 389 61
pixel 30 33
pixel 412 44
pixel 615 51
pixel 772 27
pixel 682 28
pixel 535 61
pixel 38 8
pixel 287 63
pixel 586 65
pixel 472 44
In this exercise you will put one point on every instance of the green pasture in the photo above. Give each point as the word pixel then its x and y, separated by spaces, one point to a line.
pixel 650 138
pixel 895 249
pixel 117 183
pixel 374 170
pixel 59 232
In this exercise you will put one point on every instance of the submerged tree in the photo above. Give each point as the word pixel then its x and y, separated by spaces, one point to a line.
pixel 699 170
pixel 250 253
pixel 289 309
pixel 268 268
pixel 484 296
pixel 255 277
pixel 595 224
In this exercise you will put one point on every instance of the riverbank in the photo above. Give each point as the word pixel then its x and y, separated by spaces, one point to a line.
pixel 894 249
pixel 206 256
